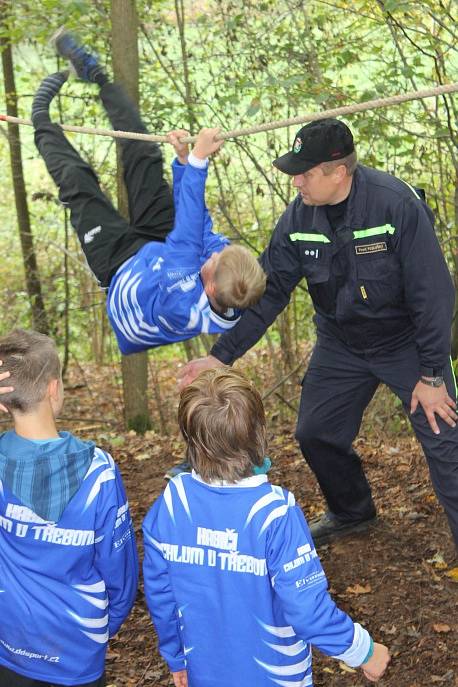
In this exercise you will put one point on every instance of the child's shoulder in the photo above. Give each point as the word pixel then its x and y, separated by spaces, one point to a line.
pixel 99 459
pixel 272 502
pixel 102 479
pixel 102 461
pixel 256 495
pixel 101 468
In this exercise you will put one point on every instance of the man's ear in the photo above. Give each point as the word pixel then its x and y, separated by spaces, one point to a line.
pixel 53 389
pixel 340 172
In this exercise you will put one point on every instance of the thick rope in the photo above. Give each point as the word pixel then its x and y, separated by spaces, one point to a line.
pixel 235 133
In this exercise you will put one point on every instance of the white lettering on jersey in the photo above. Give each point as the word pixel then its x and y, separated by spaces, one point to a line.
pixel 219 539
pixel 65 537
pixel 30 654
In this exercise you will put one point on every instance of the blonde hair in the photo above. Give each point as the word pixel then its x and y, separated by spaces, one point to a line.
pixel 350 162
pixel 239 279
pixel 222 419
pixel 32 361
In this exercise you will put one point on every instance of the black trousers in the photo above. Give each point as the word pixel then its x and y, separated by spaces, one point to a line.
pixel 10 679
pixel 336 390
pixel 106 238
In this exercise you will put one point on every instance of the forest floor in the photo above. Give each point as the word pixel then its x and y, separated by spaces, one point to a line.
pixel 399 579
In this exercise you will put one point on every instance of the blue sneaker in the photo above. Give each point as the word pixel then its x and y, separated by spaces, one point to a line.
pixel 177 470
pixel 84 63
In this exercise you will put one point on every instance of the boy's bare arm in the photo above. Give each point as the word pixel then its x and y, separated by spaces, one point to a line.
pixel 375 667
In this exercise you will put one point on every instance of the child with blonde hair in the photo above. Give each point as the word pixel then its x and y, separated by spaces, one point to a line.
pixel 169 276
pixel 233 582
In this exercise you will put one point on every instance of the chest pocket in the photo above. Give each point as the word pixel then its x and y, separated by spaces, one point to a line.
pixel 316 268
pixel 315 254
pixel 379 279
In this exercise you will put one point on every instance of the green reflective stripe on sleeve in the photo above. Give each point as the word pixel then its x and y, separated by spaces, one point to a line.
pixel 319 238
pixel 375 231
pixel 454 378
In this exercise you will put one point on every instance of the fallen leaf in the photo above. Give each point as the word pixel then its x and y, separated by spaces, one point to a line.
pixel 438 561
pixel 414 516
pixel 442 678
pixel 142 456
pixel 345 668
pixel 453 574
pixel 359 589
pixel 441 627
pixel 389 630
pixel 412 632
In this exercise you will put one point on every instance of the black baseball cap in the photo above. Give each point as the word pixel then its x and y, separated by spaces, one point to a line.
pixel 321 141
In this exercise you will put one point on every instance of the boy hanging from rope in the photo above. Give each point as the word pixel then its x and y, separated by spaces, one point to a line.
pixel 169 277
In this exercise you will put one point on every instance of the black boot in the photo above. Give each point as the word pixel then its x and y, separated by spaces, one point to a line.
pixel 329 526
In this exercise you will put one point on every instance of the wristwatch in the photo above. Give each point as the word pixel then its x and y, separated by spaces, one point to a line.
pixel 432 381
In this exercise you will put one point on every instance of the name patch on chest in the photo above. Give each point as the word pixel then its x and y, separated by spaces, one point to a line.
pixel 371 248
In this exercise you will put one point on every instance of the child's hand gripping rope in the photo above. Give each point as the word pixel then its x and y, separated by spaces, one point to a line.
pixel 181 149
pixel 206 143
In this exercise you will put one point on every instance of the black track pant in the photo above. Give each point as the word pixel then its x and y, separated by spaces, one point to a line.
pixel 10 679
pixel 106 238
pixel 336 390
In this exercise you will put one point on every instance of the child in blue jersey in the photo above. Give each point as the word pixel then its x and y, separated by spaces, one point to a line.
pixel 233 582
pixel 68 560
pixel 169 277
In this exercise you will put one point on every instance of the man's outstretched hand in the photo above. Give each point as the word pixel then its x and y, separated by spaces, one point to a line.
pixel 189 372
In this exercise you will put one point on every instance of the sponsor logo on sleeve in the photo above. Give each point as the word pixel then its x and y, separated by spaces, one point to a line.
pixel 90 235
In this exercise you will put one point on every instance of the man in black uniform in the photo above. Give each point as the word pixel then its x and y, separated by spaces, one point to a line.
pixel 383 300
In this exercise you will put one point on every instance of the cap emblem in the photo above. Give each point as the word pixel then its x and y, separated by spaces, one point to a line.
pixel 297 145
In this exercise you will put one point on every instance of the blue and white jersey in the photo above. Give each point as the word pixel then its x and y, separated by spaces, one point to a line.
pixel 235 587
pixel 157 297
pixel 66 586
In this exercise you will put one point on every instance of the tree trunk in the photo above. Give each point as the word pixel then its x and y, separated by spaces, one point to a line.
pixel 32 276
pixel 124 23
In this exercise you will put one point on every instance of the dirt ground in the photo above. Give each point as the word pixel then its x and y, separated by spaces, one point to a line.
pixel 399 580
